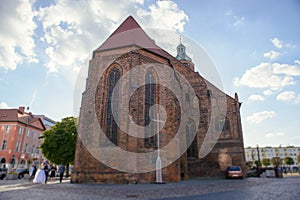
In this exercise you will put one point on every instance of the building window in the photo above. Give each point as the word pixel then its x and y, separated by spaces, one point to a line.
pixel 25 150
pixel 37 148
pixel 112 104
pixel 222 124
pixel 20 130
pixel 18 146
pixel 149 140
pixel 7 128
pixel 191 139
pixel 3 145
pixel 28 133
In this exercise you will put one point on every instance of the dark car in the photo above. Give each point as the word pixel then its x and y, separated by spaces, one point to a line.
pixel 255 172
pixel 22 172
pixel 234 172
pixel 3 172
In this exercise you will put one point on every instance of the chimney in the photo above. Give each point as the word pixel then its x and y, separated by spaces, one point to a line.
pixel 22 109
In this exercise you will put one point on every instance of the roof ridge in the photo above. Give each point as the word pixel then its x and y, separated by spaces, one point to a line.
pixel 128 24
pixel 130 33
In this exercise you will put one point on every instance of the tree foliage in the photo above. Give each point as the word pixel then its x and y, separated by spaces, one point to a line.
pixel 298 158
pixel 288 161
pixel 265 162
pixel 60 142
pixel 276 161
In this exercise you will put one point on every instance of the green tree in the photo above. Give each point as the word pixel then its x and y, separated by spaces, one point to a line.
pixel 60 142
pixel 265 162
pixel 298 158
pixel 275 161
pixel 288 161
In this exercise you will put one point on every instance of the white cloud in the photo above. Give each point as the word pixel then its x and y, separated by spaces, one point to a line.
pixel 289 45
pixel 255 97
pixel 238 21
pixel 258 117
pixel 3 105
pixel 72 33
pixel 17 31
pixel 165 14
pixel 265 75
pixel 288 96
pixel 277 43
pixel 271 54
pixel 286 69
pixel 268 92
pixel 297 62
pixel 270 135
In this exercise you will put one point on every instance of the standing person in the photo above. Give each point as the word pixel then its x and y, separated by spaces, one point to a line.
pixel 31 168
pixel 32 171
pixel 61 171
pixel 46 169
pixel 52 173
pixel 40 176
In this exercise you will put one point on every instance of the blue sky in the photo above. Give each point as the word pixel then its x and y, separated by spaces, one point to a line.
pixel 255 46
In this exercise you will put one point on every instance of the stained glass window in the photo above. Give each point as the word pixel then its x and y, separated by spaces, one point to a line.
pixel 149 101
pixel 112 103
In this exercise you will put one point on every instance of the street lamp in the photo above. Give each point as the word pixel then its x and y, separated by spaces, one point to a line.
pixel 158 160
pixel 258 156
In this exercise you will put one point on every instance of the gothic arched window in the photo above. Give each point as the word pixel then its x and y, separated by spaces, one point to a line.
pixel 222 124
pixel 149 101
pixel 112 104
pixel 191 139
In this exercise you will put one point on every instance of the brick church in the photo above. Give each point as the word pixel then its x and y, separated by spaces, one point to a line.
pixel 121 138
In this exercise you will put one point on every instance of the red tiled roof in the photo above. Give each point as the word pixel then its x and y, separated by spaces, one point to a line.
pixel 16 115
pixel 129 33
pixel 8 114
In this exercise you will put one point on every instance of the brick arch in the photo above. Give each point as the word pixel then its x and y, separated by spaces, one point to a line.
pixel 192 150
pixel 222 124
pixel 112 76
pixel 2 160
pixel 151 97
pixel 111 67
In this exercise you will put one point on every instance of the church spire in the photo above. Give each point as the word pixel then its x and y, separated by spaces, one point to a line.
pixel 182 56
pixel 181 53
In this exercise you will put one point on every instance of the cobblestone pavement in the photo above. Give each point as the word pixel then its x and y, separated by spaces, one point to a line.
pixel 249 188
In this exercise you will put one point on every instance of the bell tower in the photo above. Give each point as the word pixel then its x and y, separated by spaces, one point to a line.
pixel 183 57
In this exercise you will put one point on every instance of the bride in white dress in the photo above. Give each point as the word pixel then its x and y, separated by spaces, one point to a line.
pixel 39 176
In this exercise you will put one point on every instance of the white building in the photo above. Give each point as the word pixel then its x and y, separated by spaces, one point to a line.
pixel 252 154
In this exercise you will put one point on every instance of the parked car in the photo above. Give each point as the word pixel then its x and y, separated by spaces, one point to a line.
pixel 21 172
pixel 3 172
pixel 234 172
pixel 296 169
pixel 255 172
